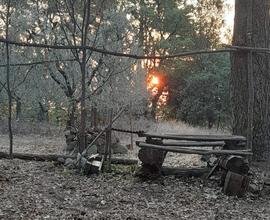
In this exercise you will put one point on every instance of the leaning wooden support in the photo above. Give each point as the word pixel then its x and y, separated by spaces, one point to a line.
pixel 195 151
pixel 104 130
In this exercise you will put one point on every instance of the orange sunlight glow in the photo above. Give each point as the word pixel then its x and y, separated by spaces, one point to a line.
pixel 152 82
pixel 155 80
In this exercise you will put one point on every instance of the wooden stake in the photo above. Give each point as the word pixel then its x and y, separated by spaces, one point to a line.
pixel 250 117
pixel 106 142
pixel 110 140
pixel 131 125
pixel 8 84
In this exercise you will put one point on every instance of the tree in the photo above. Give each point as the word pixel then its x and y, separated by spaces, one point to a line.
pixel 204 100
pixel 164 28
pixel 250 76
pixel 185 75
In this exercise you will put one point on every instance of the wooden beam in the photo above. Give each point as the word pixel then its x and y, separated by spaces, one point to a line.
pixel 194 151
pixel 225 138
pixel 36 157
pixel 195 144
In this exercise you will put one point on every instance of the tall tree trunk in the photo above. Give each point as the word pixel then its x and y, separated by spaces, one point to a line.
pixel 83 63
pixel 250 77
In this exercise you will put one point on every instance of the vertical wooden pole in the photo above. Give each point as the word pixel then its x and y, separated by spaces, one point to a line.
pixel 131 125
pixel 8 84
pixel 110 140
pixel 106 138
pixel 250 77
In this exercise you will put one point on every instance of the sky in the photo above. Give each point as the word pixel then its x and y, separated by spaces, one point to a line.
pixel 229 20
pixel 229 17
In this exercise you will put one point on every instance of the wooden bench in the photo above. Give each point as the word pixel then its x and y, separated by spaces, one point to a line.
pixel 154 149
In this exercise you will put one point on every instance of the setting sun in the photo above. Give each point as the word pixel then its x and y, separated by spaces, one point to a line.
pixel 155 80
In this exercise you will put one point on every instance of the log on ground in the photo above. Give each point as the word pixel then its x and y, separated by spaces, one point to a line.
pixel 59 158
pixel 184 172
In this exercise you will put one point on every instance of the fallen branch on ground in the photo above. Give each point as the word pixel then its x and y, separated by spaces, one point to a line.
pixel 59 158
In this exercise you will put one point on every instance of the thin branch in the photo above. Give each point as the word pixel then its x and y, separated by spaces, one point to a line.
pixel 24 78
pixel 106 80
pixel 134 56
pixel 63 73
pixel 94 72
pixel 63 87
pixel 37 63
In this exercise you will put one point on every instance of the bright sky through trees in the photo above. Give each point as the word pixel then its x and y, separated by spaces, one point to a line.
pixel 227 31
pixel 229 17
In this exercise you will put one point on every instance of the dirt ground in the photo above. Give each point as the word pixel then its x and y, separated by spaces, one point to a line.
pixel 41 190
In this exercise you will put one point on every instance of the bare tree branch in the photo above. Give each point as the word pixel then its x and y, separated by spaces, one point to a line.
pixel 36 63
pixel 135 56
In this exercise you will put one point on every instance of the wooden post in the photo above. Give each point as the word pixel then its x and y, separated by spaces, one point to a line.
pixel 106 141
pixel 108 150
pixel 131 125
pixel 110 139
pixel 8 84
pixel 250 77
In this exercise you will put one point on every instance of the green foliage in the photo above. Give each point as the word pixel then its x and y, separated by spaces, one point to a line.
pixel 205 98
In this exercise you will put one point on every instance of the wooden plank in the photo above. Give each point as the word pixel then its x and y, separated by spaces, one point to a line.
pixel 194 151
pixel 197 137
pixel 194 144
